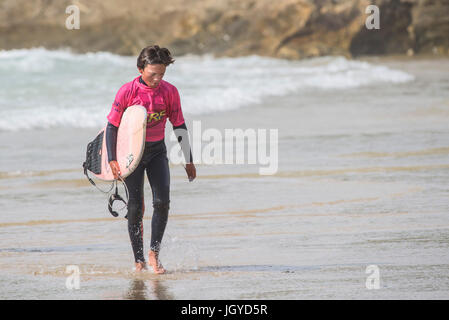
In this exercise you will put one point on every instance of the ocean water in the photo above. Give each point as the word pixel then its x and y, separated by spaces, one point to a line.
pixel 360 182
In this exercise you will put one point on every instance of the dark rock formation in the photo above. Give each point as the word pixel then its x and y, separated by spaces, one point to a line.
pixel 285 28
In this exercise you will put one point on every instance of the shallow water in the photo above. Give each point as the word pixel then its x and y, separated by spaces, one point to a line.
pixel 362 180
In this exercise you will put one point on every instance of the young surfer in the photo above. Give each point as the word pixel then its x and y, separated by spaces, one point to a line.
pixel 162 101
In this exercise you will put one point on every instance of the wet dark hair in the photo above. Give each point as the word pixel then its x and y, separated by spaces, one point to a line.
pixel 154 55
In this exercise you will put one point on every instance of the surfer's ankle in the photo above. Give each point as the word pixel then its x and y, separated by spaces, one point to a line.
pixel 155 263
pixel 140 266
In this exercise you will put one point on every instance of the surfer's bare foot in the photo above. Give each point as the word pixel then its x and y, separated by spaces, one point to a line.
pixel 154 262
pixel 140 266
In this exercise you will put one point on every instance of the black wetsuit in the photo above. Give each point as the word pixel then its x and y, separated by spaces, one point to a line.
pixel 154 163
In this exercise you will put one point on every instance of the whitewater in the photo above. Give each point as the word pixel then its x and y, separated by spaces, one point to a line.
pixel 46 89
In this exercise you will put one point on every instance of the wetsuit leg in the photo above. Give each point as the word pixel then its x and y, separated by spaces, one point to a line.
pixel 134 182
pixel 159 176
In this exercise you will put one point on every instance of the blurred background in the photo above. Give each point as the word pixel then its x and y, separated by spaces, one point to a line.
pixel 286 29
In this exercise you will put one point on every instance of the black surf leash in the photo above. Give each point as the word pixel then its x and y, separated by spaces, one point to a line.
pixel 116 197
pixel 93 164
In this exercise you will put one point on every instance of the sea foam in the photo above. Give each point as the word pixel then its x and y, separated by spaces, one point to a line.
pixel 43 88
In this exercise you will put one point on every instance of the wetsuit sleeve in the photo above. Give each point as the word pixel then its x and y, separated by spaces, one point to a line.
pixel 183 139
pixel 118 107
pixel 175 113
pixel 111 141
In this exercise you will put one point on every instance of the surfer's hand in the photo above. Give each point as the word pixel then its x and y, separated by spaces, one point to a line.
pixel 115 169
pixel 191 171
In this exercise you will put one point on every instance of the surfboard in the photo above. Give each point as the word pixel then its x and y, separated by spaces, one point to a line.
pixel 130 145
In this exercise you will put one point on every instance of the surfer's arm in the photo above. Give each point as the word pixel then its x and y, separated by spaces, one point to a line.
pixel 179 127
pixel 181 132
pixel 111 141
pixel 177 119
pixel 183 139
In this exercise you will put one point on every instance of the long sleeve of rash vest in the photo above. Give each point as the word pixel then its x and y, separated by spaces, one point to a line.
pixel 111 141
pixel 180 132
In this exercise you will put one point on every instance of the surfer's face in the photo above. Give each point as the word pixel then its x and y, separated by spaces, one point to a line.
pixel 153 74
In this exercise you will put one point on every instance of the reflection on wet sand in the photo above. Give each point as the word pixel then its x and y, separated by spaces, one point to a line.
pixel 225 214
pixel 403 154
pixel 77 183
pixel 31 173
pixel 152 289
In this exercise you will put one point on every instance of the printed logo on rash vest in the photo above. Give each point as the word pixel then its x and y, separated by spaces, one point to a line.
pixel 117 105
pixel 155 117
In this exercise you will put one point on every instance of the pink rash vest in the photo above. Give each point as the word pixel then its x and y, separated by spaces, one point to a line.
pixel 161 103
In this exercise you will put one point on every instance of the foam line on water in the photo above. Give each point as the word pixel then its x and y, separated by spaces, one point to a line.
pixel 65 89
